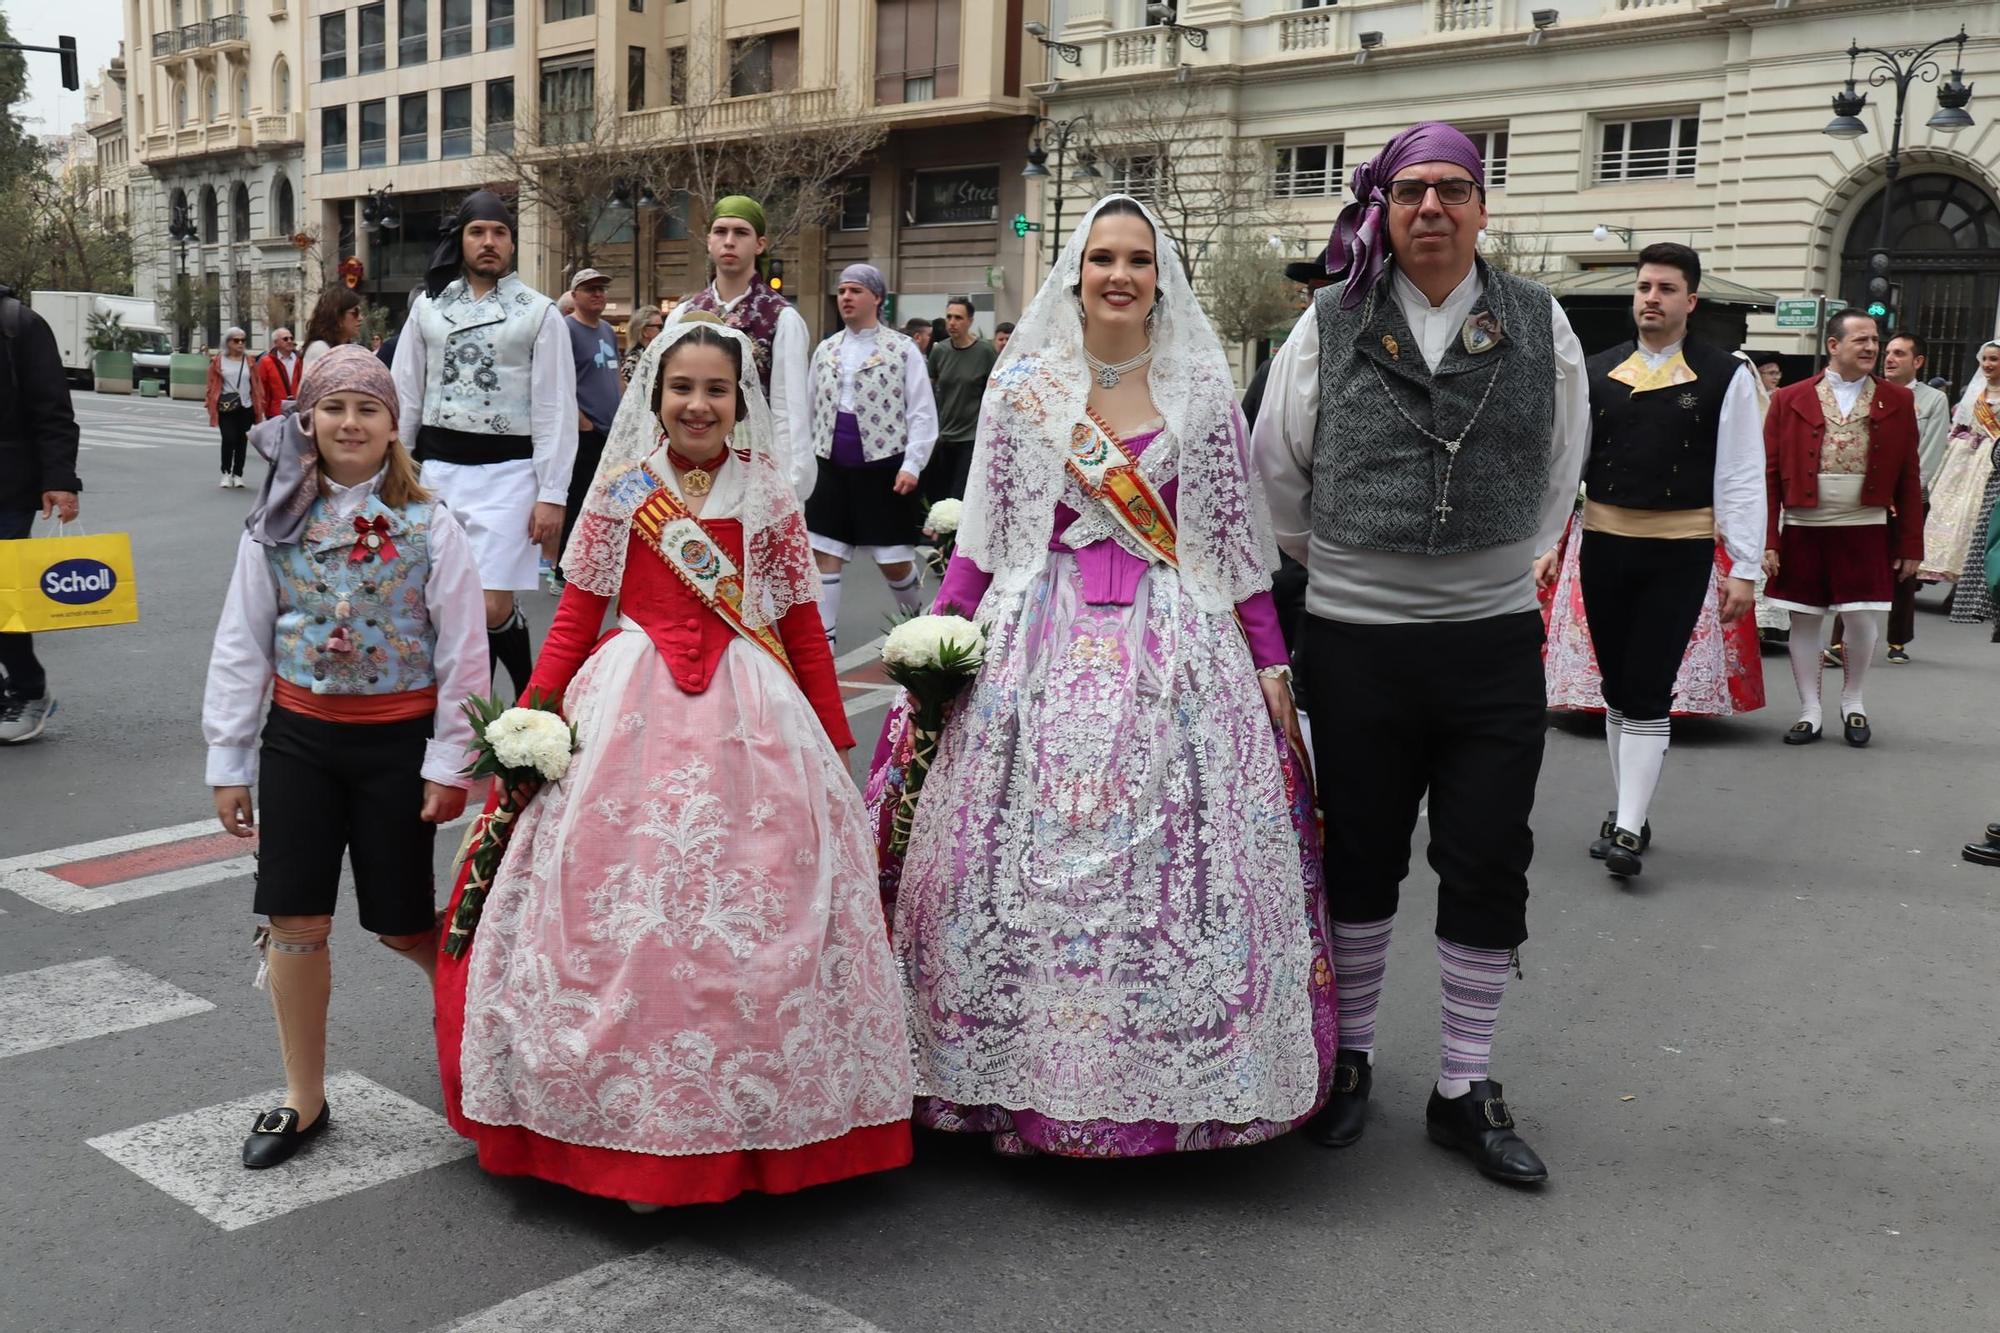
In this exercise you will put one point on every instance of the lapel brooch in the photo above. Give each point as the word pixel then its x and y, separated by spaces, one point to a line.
pixel 1482 332
pixel 1390 345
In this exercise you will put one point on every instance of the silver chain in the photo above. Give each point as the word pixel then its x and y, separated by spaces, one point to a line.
pixel 1451 447
pixel 1108 375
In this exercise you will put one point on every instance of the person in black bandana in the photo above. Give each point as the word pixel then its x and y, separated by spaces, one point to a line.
pixel 487 391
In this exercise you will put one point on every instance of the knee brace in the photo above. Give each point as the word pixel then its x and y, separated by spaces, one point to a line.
pixel 299 939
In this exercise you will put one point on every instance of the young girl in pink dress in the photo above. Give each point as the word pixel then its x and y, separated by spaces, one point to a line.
pixel 681 987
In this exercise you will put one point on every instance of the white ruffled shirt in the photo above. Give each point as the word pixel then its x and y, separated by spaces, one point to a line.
pixel 244 659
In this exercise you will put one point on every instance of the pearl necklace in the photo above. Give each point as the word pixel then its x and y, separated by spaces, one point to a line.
pixel 1107 374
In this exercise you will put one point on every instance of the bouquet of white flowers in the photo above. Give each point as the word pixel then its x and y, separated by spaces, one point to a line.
pixel 523 747
pixel 941 526
pixel 935 659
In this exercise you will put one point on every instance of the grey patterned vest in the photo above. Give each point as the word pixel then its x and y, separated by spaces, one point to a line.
pixel 1379 482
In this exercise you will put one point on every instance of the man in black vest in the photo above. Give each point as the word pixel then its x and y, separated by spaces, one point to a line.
pixel 1676 457
pixel 1420 440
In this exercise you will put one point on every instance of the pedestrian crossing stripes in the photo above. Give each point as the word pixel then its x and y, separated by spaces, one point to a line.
pixel 53 1006
pixel 127 868
pixel 674 1288
pixel 375 1136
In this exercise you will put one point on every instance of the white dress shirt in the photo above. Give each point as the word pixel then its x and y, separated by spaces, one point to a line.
pixel 1363 586
pixel 1739 466
pixel 244 659
pixel 551 390
pixel 1845 392
pixel 791 394
pixel 919 404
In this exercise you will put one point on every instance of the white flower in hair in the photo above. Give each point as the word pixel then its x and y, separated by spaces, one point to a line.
pixel 531 738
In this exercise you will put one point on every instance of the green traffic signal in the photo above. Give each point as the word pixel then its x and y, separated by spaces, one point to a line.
pixel 1877 309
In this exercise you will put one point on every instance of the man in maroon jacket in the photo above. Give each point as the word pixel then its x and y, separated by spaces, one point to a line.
pixel 1840 460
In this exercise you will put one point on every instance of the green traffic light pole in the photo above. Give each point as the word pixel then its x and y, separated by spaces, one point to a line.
pixel 1901 68
pixel 64 47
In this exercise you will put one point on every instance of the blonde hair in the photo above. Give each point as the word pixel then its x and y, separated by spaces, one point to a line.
pixel 401 482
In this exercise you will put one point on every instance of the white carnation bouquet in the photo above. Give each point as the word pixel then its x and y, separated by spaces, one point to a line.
pixel 941 526
pixel 523 748
pixel 934 658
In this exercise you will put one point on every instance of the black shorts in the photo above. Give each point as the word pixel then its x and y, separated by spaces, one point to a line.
pixel 859 505
pixel 329 788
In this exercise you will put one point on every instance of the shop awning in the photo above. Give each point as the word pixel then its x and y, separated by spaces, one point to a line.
pixel 1617 282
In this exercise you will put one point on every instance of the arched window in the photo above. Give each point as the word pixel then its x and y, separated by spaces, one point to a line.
pixel 210 224
pixel 239 212
pixel 284 206
pixel 211 101
pixel 281 87
pixel 1944 265
pixel 177 208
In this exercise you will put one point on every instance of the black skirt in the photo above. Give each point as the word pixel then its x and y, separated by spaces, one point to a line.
pixel 859 505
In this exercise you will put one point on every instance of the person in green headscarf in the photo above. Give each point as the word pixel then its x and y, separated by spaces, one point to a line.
pixel 741 297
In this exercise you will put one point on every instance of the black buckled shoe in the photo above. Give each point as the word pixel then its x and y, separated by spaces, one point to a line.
pixel 276 1136
pixel 1623 860
pixel 1345 1114
pixel 1602 846
pixel 1856 726
pixel 1802 733
pixel 1479 1126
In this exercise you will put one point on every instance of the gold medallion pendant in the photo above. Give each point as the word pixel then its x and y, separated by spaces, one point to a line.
pixel 697 482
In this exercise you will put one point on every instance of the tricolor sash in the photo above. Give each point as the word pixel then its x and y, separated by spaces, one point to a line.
pixel 1098 461
pixel 698 560
pixel 1988 419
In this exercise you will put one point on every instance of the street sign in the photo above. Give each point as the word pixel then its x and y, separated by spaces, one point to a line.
pixel 1799 312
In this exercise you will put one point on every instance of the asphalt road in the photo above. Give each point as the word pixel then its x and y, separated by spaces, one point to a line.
pixel 1762 1076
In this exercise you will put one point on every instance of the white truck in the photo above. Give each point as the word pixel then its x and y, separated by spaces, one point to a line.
pixel 68 314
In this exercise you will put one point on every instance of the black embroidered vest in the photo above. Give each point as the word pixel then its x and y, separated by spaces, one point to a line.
pixel 1656 450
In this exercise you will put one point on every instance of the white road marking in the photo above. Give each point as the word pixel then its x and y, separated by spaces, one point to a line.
pixel 124 842
pixel 673 1288
pixel 375 1136
pixel 870 651
pixel 59 895
pixel 53 1006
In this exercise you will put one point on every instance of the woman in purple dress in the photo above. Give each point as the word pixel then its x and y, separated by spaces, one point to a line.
pixel 1110 915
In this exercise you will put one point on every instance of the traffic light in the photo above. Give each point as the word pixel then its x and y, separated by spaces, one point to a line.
pixel 777 276
pixel 66 51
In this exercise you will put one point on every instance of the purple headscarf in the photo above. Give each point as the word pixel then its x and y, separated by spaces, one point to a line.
pixel 1358 251
pixel 867 275
pixel 286 442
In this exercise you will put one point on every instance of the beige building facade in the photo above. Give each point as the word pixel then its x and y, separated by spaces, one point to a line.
pixel 104 122
pixel 213 120
pixel 414 104
pixel 1607 125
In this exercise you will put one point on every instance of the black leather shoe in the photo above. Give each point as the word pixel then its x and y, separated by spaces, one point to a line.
pixel 276 1136
pixel 1345 1114
pixel 1856 726
pixel 1479 1126
pixel 1802 733
pixel 1981 853
pixel 1993 835
pixel 1623 858
pixel 1602 846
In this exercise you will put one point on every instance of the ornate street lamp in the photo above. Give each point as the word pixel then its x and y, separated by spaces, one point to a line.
pixel 181 230
pixel 1060 134
pixel 1899 68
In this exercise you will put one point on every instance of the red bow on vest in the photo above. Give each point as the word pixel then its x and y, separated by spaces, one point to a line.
pixel 371 540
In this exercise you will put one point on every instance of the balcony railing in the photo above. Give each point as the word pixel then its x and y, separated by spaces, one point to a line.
pixel 1323 183
pixel 735 115
pixel 191 35
pixel 1309 31
pixel 228 28
pixel 1464 15
pixel 1136 50
pixel 163 43
pixel 1648 164
pixel 283 128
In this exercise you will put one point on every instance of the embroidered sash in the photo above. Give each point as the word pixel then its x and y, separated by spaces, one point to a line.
pixel 1109 475
pixel 698 560
pixel 1988 419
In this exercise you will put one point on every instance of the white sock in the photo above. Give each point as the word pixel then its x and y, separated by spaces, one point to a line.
pixel 1642 751
pixel 829 605
pixel 910 592
pixel 1614 729
pixel 1864 629
pixel 1804 651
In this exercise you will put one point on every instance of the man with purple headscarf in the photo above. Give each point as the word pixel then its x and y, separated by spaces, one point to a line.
pixel 1421 438
pixel 874 424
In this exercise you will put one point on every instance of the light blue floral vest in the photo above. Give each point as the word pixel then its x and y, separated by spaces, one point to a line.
pixel 349 626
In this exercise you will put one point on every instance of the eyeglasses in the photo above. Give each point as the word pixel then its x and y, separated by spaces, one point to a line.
pixel 1452 191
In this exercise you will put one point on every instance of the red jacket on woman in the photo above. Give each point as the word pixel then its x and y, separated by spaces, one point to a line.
pixel 214 395
pixel 1793 429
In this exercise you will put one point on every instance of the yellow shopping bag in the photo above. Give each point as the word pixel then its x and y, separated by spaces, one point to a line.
pixel 68 581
